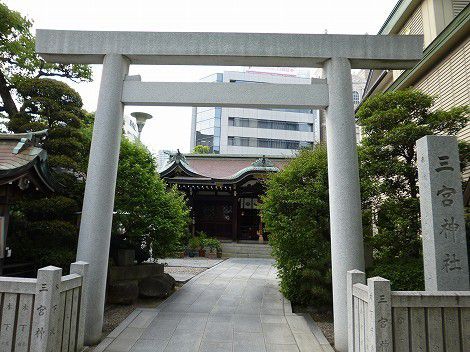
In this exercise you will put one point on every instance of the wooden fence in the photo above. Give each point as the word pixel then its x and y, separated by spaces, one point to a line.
pixel 383 320
pixel 44 314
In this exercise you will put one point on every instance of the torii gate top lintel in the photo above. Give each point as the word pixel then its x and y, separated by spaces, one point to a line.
pixel 230 49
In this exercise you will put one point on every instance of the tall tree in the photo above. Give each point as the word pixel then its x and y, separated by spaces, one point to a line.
pixel 295 210
pixel 392 123
pixel 148 214
pixel 19 61
pixel 44 228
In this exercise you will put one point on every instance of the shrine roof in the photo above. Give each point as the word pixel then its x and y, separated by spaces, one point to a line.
pixel 21 156
pixel 215 167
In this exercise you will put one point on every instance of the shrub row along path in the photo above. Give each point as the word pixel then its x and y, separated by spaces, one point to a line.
pixel 235 306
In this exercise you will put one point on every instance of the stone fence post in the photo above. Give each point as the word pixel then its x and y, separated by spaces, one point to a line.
pixel 353 277
pixel 46 309
pixel 380 315
pixel 81 268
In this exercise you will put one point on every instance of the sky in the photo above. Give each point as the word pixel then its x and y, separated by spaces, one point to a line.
pixel 170 127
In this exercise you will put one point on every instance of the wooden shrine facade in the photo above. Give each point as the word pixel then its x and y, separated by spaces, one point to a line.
pixel 223 192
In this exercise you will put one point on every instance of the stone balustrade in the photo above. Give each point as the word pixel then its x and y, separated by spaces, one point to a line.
pixel 44 314
pixel 383 320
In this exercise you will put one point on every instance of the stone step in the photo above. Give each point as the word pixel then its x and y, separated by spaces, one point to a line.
pixel 244 255
pixel 225 250
pixel 246 250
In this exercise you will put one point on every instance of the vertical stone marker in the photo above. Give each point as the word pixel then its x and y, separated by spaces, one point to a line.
pixel 442 216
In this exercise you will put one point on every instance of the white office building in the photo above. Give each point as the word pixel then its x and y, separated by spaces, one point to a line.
pixel 270 132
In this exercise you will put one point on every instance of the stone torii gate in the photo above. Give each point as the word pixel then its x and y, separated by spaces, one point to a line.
pixel 337 54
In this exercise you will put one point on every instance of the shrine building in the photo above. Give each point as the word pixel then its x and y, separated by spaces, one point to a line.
pixel 223 192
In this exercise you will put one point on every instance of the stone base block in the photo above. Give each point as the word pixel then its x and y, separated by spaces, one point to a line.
pixel 134 272
pixel 123 292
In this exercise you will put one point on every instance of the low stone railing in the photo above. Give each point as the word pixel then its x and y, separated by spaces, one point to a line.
pixel 44 314
pixel 383 320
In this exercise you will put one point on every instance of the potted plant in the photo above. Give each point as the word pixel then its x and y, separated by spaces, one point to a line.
pixel 202 243
pixel 194 245
pixel 214 247
pixel 179 251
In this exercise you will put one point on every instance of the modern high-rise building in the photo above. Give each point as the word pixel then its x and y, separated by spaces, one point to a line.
pixel 270 132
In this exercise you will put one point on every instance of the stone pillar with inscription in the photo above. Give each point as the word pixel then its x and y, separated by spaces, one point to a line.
pixel 46 312
pixel 442 215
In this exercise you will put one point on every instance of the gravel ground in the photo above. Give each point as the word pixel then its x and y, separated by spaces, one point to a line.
pixel 183 270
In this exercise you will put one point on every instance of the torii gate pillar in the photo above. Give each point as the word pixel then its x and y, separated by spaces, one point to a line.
pixel 347 248
pixel 98 202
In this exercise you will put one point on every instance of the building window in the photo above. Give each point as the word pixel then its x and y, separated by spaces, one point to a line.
pixel 356 98
pixel 267 143
pixel 270 124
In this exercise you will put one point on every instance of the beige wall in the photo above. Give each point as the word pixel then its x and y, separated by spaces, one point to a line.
pixel 450 82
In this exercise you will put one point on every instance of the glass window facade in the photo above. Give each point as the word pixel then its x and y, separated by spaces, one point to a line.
pixel 268 143
pixel 270 124
pixel 208 128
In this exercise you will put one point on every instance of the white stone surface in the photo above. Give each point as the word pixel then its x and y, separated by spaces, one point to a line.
pixel 442 215
pixel 208 94
pixel 347 248
pixel 230 49
pixel 97 214
pixel 46 312
pixel 380 315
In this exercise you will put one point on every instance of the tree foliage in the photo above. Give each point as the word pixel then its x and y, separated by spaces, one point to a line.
pixel 147 212
pixel 392 123
pixel 202 149
pixel 19 61
pixel 295 210
pixel 44 226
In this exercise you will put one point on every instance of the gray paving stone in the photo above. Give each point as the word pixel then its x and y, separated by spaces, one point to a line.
pixel 224 309
pixel 298 324
pixel 217 331
pixel 247 323
pixel 121 345
pixel 273 319
pixel 156 345
pixel 281 348
pixel 196 321
pixel 221 318
pixel 184 341
pixel 307 343
pixel 248 342
pixel 215 346
pixel 160 329
pixel 131 333
pixel 235 306
pixel 278 334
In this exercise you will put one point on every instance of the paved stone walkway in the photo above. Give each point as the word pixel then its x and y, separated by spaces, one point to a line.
pixel 234 306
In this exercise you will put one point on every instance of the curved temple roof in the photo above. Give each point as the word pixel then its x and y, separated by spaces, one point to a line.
pixel 216 169
pixel 20 157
